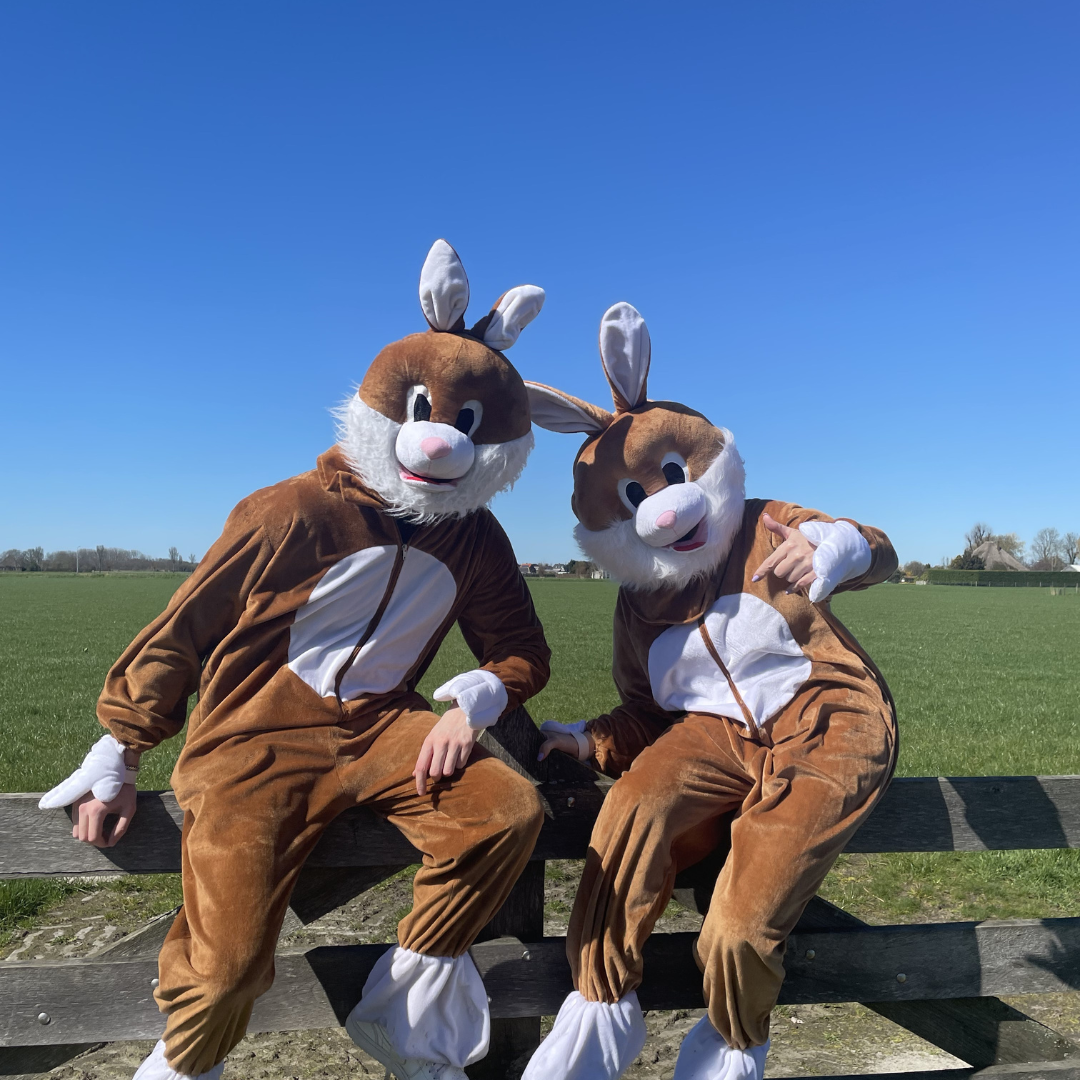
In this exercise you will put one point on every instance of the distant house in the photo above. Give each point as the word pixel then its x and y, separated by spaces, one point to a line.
pixel 1075 568
pixel 993 558
pixel 528 569
pixel 600 575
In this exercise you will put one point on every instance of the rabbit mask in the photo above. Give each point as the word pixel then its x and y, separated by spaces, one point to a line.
pixel 440 423
pixel 658 491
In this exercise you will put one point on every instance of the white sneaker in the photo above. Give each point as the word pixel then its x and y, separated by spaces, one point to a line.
pixel 155 1067
pixel 374 1039
pixel 704 1055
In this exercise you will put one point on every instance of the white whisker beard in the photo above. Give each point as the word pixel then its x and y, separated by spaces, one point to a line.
pixel 369 441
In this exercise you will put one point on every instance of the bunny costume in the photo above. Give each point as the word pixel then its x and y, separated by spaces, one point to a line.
pixel 304 631
pixel 744 705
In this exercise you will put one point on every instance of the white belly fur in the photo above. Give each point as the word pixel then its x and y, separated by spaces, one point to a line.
pixel 327 628
pixel 757 647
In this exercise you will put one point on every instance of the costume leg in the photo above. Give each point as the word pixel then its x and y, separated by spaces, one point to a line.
pixel 671 800
pixel 476 832
pixel 831 756
pixel 245 840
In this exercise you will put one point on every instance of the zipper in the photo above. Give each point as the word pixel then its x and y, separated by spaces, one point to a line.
pixel 748 716
pixel 395 573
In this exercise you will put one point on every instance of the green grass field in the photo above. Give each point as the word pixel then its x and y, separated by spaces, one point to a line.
pixel 986 681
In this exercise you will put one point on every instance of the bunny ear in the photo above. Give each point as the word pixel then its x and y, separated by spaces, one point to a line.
pixel 513 311
pixel 625 351
pixel 556 411
pixel 444 288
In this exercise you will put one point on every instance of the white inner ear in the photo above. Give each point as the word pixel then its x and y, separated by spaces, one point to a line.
pixel 550 410
pixel 444 288
pixel 514 311
pixel 625 351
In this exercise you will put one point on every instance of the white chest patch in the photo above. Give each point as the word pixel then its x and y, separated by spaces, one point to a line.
pixel 327 628
pixel 757 647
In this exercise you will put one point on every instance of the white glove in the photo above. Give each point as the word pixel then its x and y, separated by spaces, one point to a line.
pixel 480 695
pixel 102 773
pixel 840 554
pixel 577 729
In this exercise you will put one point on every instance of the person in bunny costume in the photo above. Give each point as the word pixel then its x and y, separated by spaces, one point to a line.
pixel 742 694
pixel 305 631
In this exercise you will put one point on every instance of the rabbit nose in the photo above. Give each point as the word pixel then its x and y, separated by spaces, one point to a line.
pixel 666 520
pixel 434 448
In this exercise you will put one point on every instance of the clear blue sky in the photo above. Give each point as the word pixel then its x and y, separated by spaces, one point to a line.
pixel 853 227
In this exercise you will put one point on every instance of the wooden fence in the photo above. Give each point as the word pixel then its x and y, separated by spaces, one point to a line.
pixel 941 981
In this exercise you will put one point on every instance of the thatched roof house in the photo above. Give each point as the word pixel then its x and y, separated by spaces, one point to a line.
pixel 995 559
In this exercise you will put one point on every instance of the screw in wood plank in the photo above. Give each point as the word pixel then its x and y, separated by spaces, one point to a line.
pixel 526 955
pixel 570 801
pixel 810 954
pixel 901 977
pixel 44 1018
pixel 154 983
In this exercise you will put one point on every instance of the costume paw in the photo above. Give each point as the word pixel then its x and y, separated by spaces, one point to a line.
pixel 430 1009
pixel 704 1055
pixel 102 773
pixel 841 553
pixel 480 695
pixel 590 1041
pixel 155 1067
pixel 373 1039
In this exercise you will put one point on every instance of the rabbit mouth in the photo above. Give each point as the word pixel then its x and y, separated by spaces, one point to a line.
pixel 431 481
pixel 694 539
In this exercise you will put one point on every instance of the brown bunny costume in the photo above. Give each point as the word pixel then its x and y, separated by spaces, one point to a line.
pixel 738 698
pixel 305 631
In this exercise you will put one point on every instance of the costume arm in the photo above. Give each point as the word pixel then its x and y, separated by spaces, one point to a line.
pixel 146 691
pixel 500 626
pixel 853 557
pixel 638 722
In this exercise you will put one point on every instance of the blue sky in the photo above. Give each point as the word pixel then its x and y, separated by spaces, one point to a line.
pixel 852 226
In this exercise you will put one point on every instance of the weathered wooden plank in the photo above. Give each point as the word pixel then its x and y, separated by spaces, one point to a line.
pixel 1032 1070
pixel 94 1001
pixel 974 813
pixel 916 814
pixel 982 1031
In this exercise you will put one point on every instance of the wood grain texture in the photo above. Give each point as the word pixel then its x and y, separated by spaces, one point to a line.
pixel 916 814
pixel 1037 1070
pixel 103 1000
pixel 982 1031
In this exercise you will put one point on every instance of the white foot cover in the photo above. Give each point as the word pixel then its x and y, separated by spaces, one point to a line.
pixel 155 1067
pixel 705 1056
pixel 590 1041
pixel 431 1008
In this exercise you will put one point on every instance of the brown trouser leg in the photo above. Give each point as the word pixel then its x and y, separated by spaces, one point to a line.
pixel 247 835
pixel 799 791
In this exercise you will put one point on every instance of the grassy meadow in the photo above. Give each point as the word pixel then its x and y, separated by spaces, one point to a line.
pixel 986 681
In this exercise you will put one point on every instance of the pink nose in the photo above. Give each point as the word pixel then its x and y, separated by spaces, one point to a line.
pixel 435 448
pixel 666 520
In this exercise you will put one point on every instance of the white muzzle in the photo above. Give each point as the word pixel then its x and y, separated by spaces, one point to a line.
pixel 438 451
pixel 670 514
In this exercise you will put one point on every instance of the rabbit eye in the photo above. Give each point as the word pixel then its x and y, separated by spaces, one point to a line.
pixel 674 473
pixel 635 493
pixel 468 419
pixel 418 403
pixel 464 421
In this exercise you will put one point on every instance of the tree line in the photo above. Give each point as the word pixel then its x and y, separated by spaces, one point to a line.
pixel 1048 550
pixel 86 560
